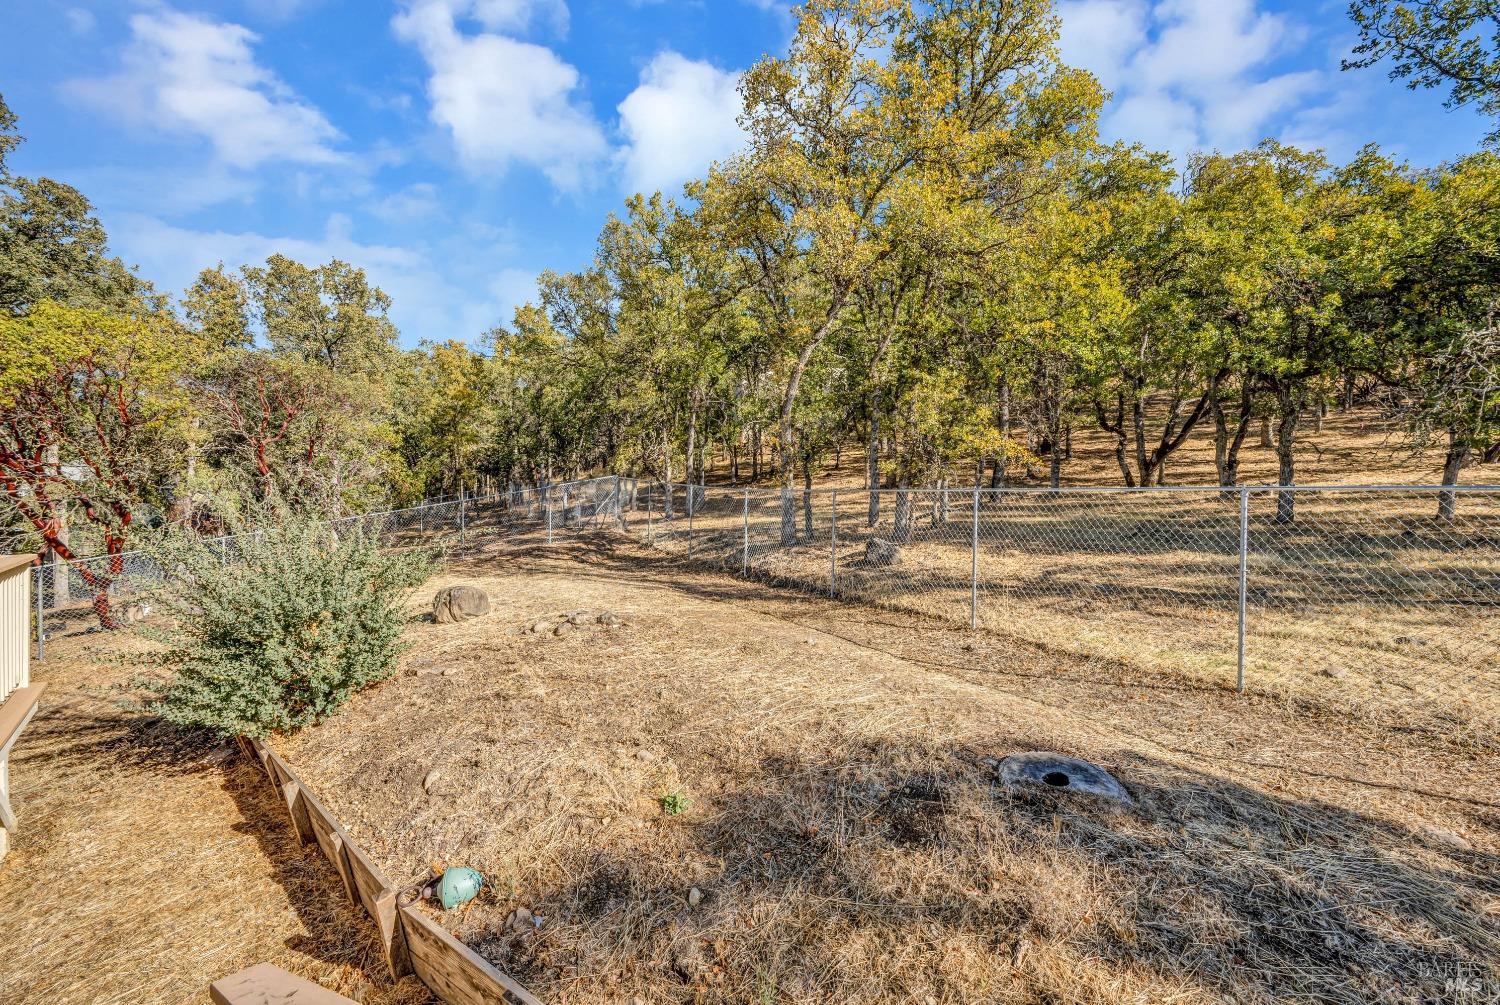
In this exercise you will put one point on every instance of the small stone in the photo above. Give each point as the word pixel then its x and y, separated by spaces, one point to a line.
pixel 1449 839
pixel 431 779
pixel 608 620
pixel 810 641
pixel 561 630
pixel 882 552
pixel 539 627
pixel 695 897
pixel 580 618
pixel 1336 673
pixel 451 671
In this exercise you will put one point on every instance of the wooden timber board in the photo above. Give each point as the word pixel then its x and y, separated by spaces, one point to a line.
pixel 455 972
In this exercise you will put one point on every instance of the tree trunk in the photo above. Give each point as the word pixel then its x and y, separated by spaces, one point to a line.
pixel 807 506
pixel 1458 452
pixel 1227 442
pixel 1265 431
pixel 690 455
pixel 61 592
pixel 1054 453
pixel 997 478
pixel 901 533
pixel 1286 432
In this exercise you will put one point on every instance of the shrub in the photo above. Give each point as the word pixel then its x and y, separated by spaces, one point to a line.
pixel 674 803
pixel 277 630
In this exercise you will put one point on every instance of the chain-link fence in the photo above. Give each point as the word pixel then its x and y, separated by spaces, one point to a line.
pixel 109 590
pixel 1350 597
pixel 1356 597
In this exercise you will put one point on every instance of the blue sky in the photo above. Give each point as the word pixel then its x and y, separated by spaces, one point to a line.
pixel 455 148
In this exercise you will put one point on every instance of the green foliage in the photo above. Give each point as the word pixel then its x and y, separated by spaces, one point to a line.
pixel 1435 43
pixel 675 803
pixel 279 633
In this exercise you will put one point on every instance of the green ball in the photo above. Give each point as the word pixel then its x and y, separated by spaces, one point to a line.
pixel 459 885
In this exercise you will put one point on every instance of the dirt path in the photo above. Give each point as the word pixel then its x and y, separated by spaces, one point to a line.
pixel 146 867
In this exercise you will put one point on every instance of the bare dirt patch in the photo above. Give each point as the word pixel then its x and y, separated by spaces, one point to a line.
pixel 843 835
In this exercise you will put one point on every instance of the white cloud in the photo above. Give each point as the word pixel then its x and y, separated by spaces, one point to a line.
pixel 680 118
pixel 503 100
pixel 190 74
pixel 518 15
pixel 1101 35
pixel 418 201
pixel 1188 74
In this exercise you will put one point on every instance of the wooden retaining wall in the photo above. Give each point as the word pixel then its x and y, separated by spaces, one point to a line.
pixel 411 942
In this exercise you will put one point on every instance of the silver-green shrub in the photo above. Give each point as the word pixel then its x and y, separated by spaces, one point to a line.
pixel 277 629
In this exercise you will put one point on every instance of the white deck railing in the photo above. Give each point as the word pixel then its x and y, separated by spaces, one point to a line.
pixel 15 614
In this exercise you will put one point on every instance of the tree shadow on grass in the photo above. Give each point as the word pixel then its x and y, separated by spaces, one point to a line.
pixel 337 931
pixel 87 733
pixel 904 872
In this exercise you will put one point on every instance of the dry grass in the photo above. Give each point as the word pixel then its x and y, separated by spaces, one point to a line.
pixel 149 863
pixel 845 830
pixel 1365 604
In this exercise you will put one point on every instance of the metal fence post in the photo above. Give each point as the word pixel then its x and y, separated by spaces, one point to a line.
pixel 974 566
pixel 745 549
pixel 1244 583
pixel 463 522
pixel 833 543
pixel 41 634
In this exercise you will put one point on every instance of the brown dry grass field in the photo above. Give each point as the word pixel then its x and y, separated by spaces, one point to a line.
pixel 845 830
pixel 1365 602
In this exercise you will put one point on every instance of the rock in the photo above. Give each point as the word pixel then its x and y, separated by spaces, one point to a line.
pixel 431 779
pixel 562 629
pixel 608 620
pixel 1336 673
pixel 1060 774
pixel 539 627
pixel 580 618
pixel 459 603
pixel 695 897
pixel 879 551
pixel 1449 839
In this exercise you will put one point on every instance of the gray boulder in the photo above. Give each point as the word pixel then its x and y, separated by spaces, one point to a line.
pixel 459 603
pixel 879 551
